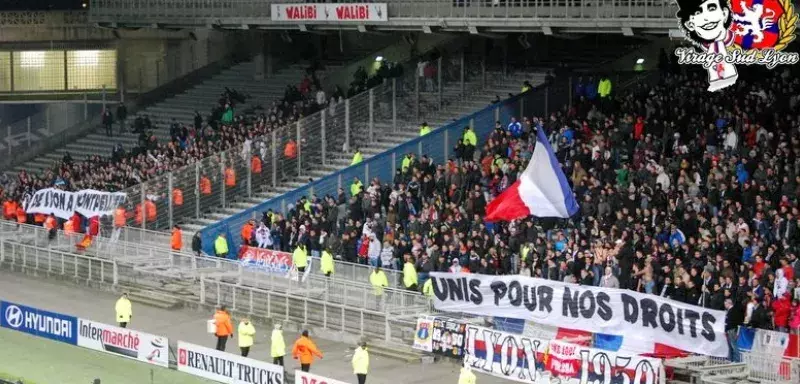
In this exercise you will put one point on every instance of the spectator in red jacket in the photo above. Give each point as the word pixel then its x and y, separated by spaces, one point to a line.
pixel 782 308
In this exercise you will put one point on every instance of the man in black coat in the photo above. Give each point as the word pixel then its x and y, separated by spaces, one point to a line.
pixel 734 317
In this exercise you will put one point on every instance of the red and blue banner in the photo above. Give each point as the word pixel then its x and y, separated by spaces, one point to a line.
pixel 267 260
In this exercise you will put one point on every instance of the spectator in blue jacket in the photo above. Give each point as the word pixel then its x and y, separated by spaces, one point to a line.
pixel 515 128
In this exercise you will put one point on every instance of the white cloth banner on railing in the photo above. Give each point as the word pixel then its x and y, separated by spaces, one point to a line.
pixel 531 360
pixel 593 309
pixel 64 204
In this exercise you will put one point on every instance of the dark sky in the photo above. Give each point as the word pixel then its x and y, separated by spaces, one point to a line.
pixel 40 5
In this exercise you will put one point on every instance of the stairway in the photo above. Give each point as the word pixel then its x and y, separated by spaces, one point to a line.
pixel 182 107
pixel 385 139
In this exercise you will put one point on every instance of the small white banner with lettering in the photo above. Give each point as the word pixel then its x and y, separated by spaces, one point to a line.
pixel 362 12
pixel 301 377
pixel 226 367
pixel 123 342
pixel 64 204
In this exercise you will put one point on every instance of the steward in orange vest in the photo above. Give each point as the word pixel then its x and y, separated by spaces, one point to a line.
pixel 177 197
pixel 176 242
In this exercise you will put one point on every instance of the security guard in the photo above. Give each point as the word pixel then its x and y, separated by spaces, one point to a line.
pixel 246 332
pixel 466 376
pixel 300 258
pixel 326 262
pixel 222 319
pixel 410 279
pixel 427 288
pixel 124 310
pixel 357 157
pixel 424 129
pixel 176 242
pixel 379 281
pixel 355 187
pixel 278 345
pixel 361 362
pixel 221 246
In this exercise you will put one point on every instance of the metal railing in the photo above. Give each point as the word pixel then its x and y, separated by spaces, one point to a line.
pixel 754 367
pixel 437 145
pixel 259 11
pixel 340 307
pixel 348 285
pixel 324 141
pixel 23 135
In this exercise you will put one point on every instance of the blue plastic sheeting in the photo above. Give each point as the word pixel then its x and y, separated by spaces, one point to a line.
pixel 438 144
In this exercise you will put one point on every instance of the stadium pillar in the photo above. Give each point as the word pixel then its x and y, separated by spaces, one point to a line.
pixel 569 89
pixel 8 139
pixel 347 124
pixel 371 126
pixel 29 131
pixel 300 154
pixel 274 146
pixel 394 104
pixel 446 143
pixel 439 80
pixel 324 138
pixel 222 159
pixel 196 189
pixel 170 207
pixel 85 106
pixel 461 65
pixel 142 195
pixel 416 96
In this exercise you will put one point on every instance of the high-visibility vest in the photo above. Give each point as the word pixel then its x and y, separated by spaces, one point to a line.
pixel 424 130
pixel 427 288
pixel 355 188
pixel 205 185
pixel 150 211
pixel 22 217
pixel 300 258
pixel 8 210
pixel 120 217
pixel 138 214
pixel 255 164
pixel 230 177
pixel 357 158
pixel 177 196
pixel 124 310
pixel 409 275
pixel 246 333
pixel 290 150
pixel 177 240
pixel 221 246
pixel 50 223
pixel 378 281
pixel 69 227
pixel 247 232
pixel 278 345
pixel 39 218
pixel 326 263
pixel 360 361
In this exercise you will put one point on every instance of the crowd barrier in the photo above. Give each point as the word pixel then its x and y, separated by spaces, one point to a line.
pixel 189 358
pixel 438 145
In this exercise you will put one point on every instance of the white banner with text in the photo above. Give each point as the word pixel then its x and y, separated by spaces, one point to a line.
pixel 301 377
pixel 329 12
pixel 530 360
pixel 64 204
pixel 593 309
pixel 123 342
pixel 226 367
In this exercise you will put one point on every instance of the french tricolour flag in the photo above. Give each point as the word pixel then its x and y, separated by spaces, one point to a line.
pixel 771 343
pixel 542 190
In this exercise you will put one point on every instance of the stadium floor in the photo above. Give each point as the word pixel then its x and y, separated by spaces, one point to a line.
pixel 40 361
pixel 190 326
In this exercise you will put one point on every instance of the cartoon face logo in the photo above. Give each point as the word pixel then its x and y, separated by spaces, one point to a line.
pixel 705 21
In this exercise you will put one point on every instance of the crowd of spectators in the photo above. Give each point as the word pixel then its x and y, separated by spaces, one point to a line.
pixel 224 127
pixel 683 193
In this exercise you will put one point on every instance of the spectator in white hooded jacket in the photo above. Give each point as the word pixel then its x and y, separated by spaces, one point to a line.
pixel 263 237
pixel 374 251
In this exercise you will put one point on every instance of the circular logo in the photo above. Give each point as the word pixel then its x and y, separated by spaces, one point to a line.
pixel 13 316
pixel 423 333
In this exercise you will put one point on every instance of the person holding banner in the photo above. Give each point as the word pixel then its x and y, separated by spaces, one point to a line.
pixel 361 362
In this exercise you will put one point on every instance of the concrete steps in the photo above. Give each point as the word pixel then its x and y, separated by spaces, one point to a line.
pixel 395 352
pixel 153 299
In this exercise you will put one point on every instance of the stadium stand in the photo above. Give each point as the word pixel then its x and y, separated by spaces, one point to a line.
pixel 698 204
